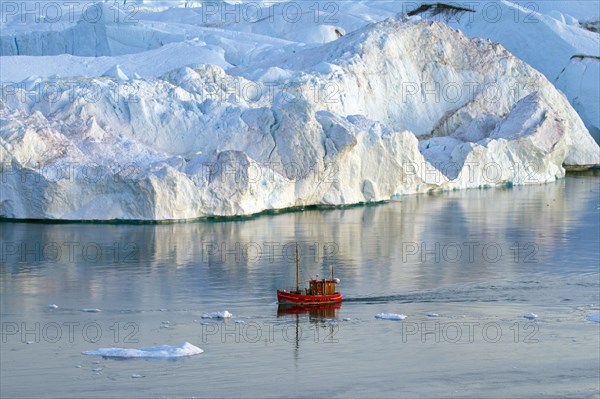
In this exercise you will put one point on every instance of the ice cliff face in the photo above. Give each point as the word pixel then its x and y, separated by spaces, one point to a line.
pixel 552 43
pixel 394 108
pixel 102 30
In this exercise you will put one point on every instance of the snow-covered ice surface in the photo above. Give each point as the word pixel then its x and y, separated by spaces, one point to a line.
pixel 568 55
pixel 154 352
pixel 175 113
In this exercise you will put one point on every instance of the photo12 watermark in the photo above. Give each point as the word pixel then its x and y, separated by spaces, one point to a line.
pixel 219 171
pixel 56 332
pixel 227 89
pixel 268 332
pixel 469 332
pixel 266 251
pixel 434 252
pixel 219 13
pixel 68 252
pixel 63 12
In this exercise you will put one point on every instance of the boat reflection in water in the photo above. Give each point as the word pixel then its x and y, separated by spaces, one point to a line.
pixel 322 323
pixel 320 312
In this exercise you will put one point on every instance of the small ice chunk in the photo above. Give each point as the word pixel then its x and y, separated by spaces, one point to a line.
pixel 240 322
pixel 530 316
pixel 346 319
pixel 165 322
pixel 52 306
pixel 390 316
pixel 97 369
pixel 217 315
pixel 155 352
pixel 137 376
pixel 91 310
pixel 595 318
pixel 29 342
pixel 431 314
pixel 78 366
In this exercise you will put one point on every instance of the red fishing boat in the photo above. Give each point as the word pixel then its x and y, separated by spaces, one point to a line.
pixel 318 291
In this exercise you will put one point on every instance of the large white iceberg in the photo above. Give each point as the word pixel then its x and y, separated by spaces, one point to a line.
pixel 394 108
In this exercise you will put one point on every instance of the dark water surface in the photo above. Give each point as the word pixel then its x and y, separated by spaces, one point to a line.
pixel 480 259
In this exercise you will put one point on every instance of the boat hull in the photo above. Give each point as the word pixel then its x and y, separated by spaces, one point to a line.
pixel 289 298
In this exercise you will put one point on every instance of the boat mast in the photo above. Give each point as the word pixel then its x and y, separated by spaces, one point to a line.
pixel 297 270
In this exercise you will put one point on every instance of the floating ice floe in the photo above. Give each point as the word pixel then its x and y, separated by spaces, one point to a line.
pixel 91 310
pixel 155 352
pixel 52 306
pixel 165 324
pixel 137 376
pixel 346 319
pixel 594 317
pixel 217 315
pixel 431 314
pixel 390 316
pixel 530 316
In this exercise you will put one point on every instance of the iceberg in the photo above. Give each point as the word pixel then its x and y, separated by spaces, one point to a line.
pixel 360 118
pixel 217 315
pixel 154 352
pixel 390 316
pixel 594 318
pixel 552 42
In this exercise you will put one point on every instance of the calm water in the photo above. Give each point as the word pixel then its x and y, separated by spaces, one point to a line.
pixel 479 259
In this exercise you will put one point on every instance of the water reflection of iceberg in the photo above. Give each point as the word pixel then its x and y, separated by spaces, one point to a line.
pixel 367 243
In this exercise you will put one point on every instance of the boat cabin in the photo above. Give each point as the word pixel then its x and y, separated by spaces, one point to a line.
pixel 321 287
